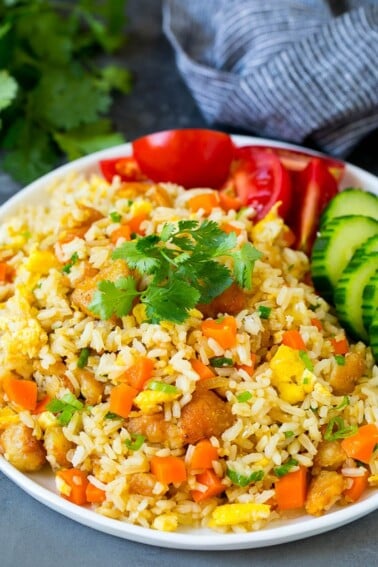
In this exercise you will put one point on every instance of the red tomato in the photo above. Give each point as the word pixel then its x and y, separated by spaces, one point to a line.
pixel 313 187
pixel 190 157
pixel 259 179
pixel 126 167
pixel 295 160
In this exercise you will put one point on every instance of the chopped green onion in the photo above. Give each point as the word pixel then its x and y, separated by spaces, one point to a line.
pixel 242 480
pixel 65 408
pixel 116 217
pixel 135 443
pixel 345 402
pixel 288 434
pixel 340 359
pixel 159 386
pixel 67 267
pixel 244 397
pixel 82 361
pixel 220 361
pixel 111 415
pixel 264 311
pixel 336 429
pixel 285 468
pixel 303 355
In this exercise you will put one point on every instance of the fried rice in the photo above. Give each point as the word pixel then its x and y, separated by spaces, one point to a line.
pixel 272 406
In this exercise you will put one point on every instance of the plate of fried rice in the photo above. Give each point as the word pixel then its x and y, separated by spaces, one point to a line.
pixel 211 432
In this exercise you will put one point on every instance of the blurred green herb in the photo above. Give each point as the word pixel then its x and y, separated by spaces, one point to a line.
pixel 54 98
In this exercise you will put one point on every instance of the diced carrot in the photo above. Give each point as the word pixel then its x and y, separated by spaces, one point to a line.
pixel 229 201
pixel 203 455
pixel 359 485
pixel 360 446
pixel 288 236
pixel 293 339
pixel 75 483
pixel 138 374
pixel 202 369
pixel 249 369
pixel 94 494
pixel 122 232
pixel 42 404
pixel 317 323
pixel 291 489
pixel 222 330
pixel 6 272
pixel 214 485
pixel 168 469
pixel 227 227
pixel 340 346
pixel 22 392
pixel 121 399
pixel 136 221
pixel 205 201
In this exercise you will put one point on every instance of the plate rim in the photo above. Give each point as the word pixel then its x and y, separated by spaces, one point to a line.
pixel 208 540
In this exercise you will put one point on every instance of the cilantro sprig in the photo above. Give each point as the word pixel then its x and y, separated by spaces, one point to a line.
pixel 54 97
pixel 184 266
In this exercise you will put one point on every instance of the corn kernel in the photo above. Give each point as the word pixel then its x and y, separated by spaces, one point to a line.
pixel 41 261
pixel 232 514
pixel 139 207
pixel 7 417
pixel 166 523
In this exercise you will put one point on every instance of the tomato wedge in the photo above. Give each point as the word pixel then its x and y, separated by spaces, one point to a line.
pixel 126 167
pixel 259 179
pixel 189 157
pixel 313 187
pixel 295 160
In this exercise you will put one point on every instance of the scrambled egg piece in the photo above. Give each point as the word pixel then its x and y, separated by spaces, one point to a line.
pixel 166 523
pixel 41 261
pixel 7 417
pixel 141 208
pixel 148 401
pixel 269 227
pixel 139 312
pixel 232 514
pixel 290 376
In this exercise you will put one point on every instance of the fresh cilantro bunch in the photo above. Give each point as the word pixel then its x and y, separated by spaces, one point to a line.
pixel 184 265
pixel 53 96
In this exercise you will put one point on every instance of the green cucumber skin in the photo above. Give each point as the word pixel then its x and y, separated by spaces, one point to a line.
pixel 349 293
pixel 334 247
pixel 373 333
pixel 350 202
pixel 370 301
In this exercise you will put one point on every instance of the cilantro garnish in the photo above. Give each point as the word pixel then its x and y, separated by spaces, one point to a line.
pixel 65 408
pixel 243 480
pixel 183 268
pixel 54 94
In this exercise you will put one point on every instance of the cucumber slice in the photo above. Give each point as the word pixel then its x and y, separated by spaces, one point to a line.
pixel 373 334
pixel 351 202
pixel 349 291
pixel 334 247
pixel 370 301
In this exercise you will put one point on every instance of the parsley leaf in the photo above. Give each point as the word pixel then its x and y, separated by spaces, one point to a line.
pixel 114 298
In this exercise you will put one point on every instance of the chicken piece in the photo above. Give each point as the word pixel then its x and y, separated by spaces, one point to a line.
pixel 156 430
pixel 344 377
pixel 83 293
pixel 231 301
pixel 55 378
pixel 325 490
pixel 144 484
pixel 204 416
pixel 57 447
pixel 330 455
pixel 78 228
pixel 90 388
pixel 22 449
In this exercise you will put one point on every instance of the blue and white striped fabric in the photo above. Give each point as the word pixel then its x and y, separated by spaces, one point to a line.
pixel 286 69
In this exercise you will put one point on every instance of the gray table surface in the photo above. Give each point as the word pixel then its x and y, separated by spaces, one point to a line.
pixel 32 535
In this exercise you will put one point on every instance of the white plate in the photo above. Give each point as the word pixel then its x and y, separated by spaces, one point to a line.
pixel 41 485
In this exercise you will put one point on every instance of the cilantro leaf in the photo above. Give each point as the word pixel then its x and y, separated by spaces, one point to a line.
pixel 170 303
pixel 244 262
pixel 8 89
pixel 136 257
pixel 113 77
pixel 114 298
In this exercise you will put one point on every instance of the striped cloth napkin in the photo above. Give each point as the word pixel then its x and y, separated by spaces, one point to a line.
pixel 296 70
